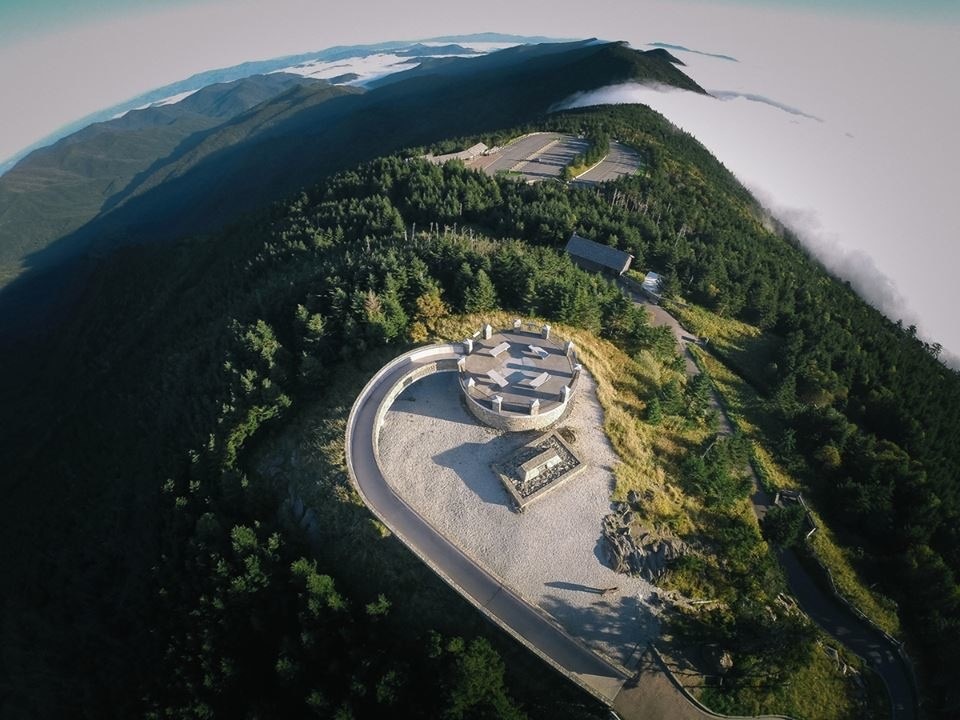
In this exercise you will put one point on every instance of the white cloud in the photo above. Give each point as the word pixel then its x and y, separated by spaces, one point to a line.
pixel 868 187
pixel 879 171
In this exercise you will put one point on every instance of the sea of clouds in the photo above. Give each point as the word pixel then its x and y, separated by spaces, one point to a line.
pixel 871 203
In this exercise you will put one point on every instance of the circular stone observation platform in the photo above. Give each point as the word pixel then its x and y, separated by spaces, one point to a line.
pixel 518 378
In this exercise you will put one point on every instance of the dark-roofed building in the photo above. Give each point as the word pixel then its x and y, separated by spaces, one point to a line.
pixel 596 257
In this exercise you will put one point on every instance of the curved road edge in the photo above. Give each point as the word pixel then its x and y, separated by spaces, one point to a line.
pixel 830 611
pixel 527 624
pixel 610 683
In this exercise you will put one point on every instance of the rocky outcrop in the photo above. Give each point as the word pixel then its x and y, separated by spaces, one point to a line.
pixel 634 549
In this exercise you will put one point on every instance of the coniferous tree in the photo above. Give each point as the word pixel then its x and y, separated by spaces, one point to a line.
pixel 481 295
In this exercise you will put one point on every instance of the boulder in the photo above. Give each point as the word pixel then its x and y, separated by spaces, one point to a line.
pixel 638 551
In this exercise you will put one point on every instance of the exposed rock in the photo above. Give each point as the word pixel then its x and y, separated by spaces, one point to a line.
pixel 726 661
pixel 633 497
pixel 638 551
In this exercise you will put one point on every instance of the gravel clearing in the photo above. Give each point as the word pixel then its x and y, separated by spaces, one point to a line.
pixel 437 458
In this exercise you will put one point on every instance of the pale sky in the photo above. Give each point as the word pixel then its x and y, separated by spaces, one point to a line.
pixel 881 73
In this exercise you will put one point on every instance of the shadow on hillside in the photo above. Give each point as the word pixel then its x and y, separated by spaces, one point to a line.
pixel 619 627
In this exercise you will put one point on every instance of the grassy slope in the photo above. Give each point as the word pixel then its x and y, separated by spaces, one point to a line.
pixel 649 464
pixel 748 411
pixel 306 460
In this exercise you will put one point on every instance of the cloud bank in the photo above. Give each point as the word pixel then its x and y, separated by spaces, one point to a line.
pixel 846 196
pixel 879 170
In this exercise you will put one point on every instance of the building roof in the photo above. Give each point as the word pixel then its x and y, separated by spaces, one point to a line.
pixel 519 365
pixel 652 283
pixel 540 459
pixel 598 255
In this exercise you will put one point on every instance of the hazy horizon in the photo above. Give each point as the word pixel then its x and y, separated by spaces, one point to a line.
pixel 840 120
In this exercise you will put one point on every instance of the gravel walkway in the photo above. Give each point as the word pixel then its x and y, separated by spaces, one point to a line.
pixel 437 458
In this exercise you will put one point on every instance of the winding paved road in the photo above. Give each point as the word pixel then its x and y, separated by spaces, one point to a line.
pixel 649 694
pixel 820 605
pixel 534 628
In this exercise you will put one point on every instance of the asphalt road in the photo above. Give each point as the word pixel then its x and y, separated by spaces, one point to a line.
pixel 648 695
pixel 834 617
pixel 818 603
pixel 475 583
pixel 540 156
pixel 620 161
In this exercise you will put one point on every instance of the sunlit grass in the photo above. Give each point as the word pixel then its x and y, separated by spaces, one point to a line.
pixel 818 691
pixel 749 415
pixel 879 609
pixel 744 346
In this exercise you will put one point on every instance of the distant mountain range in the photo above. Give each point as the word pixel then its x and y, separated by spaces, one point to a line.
pixel 259 67
pixel 57 189
pixel 91 166
pixel 192 166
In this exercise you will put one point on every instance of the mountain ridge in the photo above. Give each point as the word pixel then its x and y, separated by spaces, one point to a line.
pixel 531 90
pixel 55 190
pixel 217 175
pixel 255 67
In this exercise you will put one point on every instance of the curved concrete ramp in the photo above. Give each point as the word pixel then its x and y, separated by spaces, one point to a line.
pixel 650 694
pixel 526 623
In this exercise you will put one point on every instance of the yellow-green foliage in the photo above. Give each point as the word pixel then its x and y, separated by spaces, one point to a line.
pixel 879 609
pixel 748 413
pixel 806 696
pixel 722 331
pixel 744 345
pixel 771 469
pixel 744 407
pixel 649 455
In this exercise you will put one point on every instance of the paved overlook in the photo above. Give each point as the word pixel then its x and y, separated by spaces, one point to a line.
pixel 646 694
pixel 473 582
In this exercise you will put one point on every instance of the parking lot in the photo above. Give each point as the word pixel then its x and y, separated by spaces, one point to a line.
pixel 544 155
pixel 536 157
pixel 620 161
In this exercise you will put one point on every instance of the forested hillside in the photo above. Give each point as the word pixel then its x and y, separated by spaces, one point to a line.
pixel 57 189
pixel 142 536
pixel 214 176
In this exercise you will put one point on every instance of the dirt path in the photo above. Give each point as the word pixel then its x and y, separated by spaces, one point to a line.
pixel 819 604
